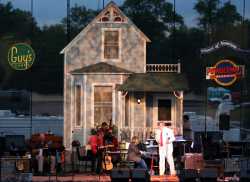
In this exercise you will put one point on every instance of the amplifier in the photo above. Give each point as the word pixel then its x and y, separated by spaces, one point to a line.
pixel 140 175
pixel 120 175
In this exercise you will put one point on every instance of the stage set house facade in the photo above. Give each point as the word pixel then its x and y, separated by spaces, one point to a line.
pixel 106 77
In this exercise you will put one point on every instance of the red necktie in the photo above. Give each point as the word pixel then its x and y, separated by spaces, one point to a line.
pixel 161 139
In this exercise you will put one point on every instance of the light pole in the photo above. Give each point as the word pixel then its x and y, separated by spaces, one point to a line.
pixel 31 111
pixel 68 21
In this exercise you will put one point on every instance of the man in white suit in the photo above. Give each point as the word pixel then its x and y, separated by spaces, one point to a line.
pixel 165 137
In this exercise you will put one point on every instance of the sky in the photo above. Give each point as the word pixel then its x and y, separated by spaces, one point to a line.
pixel 49 12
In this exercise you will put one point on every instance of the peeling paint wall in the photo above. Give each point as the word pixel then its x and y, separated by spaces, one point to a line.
pixel 88 49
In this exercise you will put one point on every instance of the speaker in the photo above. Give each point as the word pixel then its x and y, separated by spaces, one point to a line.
pixel 140 175
pixel 208 175
pixel 244 176
pixel 120 175
pixel 224 122
pixel 188 175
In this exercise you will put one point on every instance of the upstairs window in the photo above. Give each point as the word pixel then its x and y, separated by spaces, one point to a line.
pixel 111 44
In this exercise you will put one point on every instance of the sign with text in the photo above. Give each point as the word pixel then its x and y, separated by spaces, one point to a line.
pixel 225 72
pixel 21 56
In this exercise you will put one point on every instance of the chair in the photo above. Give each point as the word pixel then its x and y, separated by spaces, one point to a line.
pixel 86 158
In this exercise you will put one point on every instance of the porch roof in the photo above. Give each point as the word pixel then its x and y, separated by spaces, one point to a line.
pixel 100 67
pixel 155 82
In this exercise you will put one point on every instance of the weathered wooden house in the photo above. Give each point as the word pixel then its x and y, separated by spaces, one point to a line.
pixel 106 77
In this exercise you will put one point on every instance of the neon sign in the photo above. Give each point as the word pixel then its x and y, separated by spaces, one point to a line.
pixel 225 72
pixel 21 56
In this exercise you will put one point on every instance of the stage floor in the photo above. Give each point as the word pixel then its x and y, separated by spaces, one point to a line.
pixel 94 178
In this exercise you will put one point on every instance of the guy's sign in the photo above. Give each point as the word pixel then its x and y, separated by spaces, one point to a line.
pixel 21 56
pixel 225 72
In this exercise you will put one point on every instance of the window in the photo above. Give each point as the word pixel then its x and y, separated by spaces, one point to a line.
pixel 164 110
pixel 127 110
pixel 111 44
pixel 102 104
pixel 78 105
pixel 113 16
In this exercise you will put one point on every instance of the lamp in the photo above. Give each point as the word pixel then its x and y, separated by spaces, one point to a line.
pixel 139 97
pixel 138 101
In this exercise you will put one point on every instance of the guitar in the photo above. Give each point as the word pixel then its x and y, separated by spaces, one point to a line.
pixel 105 147
pixel 107 163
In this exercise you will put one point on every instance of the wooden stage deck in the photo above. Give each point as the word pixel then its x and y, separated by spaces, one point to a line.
pixel 94 178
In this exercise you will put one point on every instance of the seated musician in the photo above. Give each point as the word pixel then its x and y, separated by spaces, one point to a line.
pixel 134 153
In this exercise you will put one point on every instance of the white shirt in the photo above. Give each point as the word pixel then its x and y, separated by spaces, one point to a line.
pixel 167 136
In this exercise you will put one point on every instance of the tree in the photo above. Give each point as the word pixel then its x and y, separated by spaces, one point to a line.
pixel 156 18
pixel 218 22
pixel 48 67
pixel 207 10
pixel 79 17
pixel 16 26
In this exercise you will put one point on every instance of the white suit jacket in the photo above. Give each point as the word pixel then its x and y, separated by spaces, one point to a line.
pixel 167 136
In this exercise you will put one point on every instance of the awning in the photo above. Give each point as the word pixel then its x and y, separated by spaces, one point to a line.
pixel 155 82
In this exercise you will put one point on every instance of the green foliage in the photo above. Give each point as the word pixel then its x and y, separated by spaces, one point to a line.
pixel 157 19
pixel 79 17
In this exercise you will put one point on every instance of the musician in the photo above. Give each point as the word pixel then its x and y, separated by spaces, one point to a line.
pixel 104 128
pixel 165 137
pixel 134 153
pixel 187 131
pixel 99 154
pixel 43 148
pixel 93 142
pixel 110 139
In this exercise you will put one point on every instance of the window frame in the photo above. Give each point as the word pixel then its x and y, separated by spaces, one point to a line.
pixel 93 100
pixel 119 44
pixel 76 86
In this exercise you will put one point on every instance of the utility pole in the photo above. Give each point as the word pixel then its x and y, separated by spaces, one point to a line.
pixel 32 34
pixel 68 21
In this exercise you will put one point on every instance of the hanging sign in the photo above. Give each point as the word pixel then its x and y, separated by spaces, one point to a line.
pixel 21 56
pixel 225 72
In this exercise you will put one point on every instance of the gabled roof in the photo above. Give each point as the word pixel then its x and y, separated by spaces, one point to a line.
pixel 109 5
pixel 155 82
pixel 100 68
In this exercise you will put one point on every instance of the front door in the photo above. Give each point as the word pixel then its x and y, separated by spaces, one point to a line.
pixel 162 110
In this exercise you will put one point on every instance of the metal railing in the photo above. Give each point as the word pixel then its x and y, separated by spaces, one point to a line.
pixel 170 68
